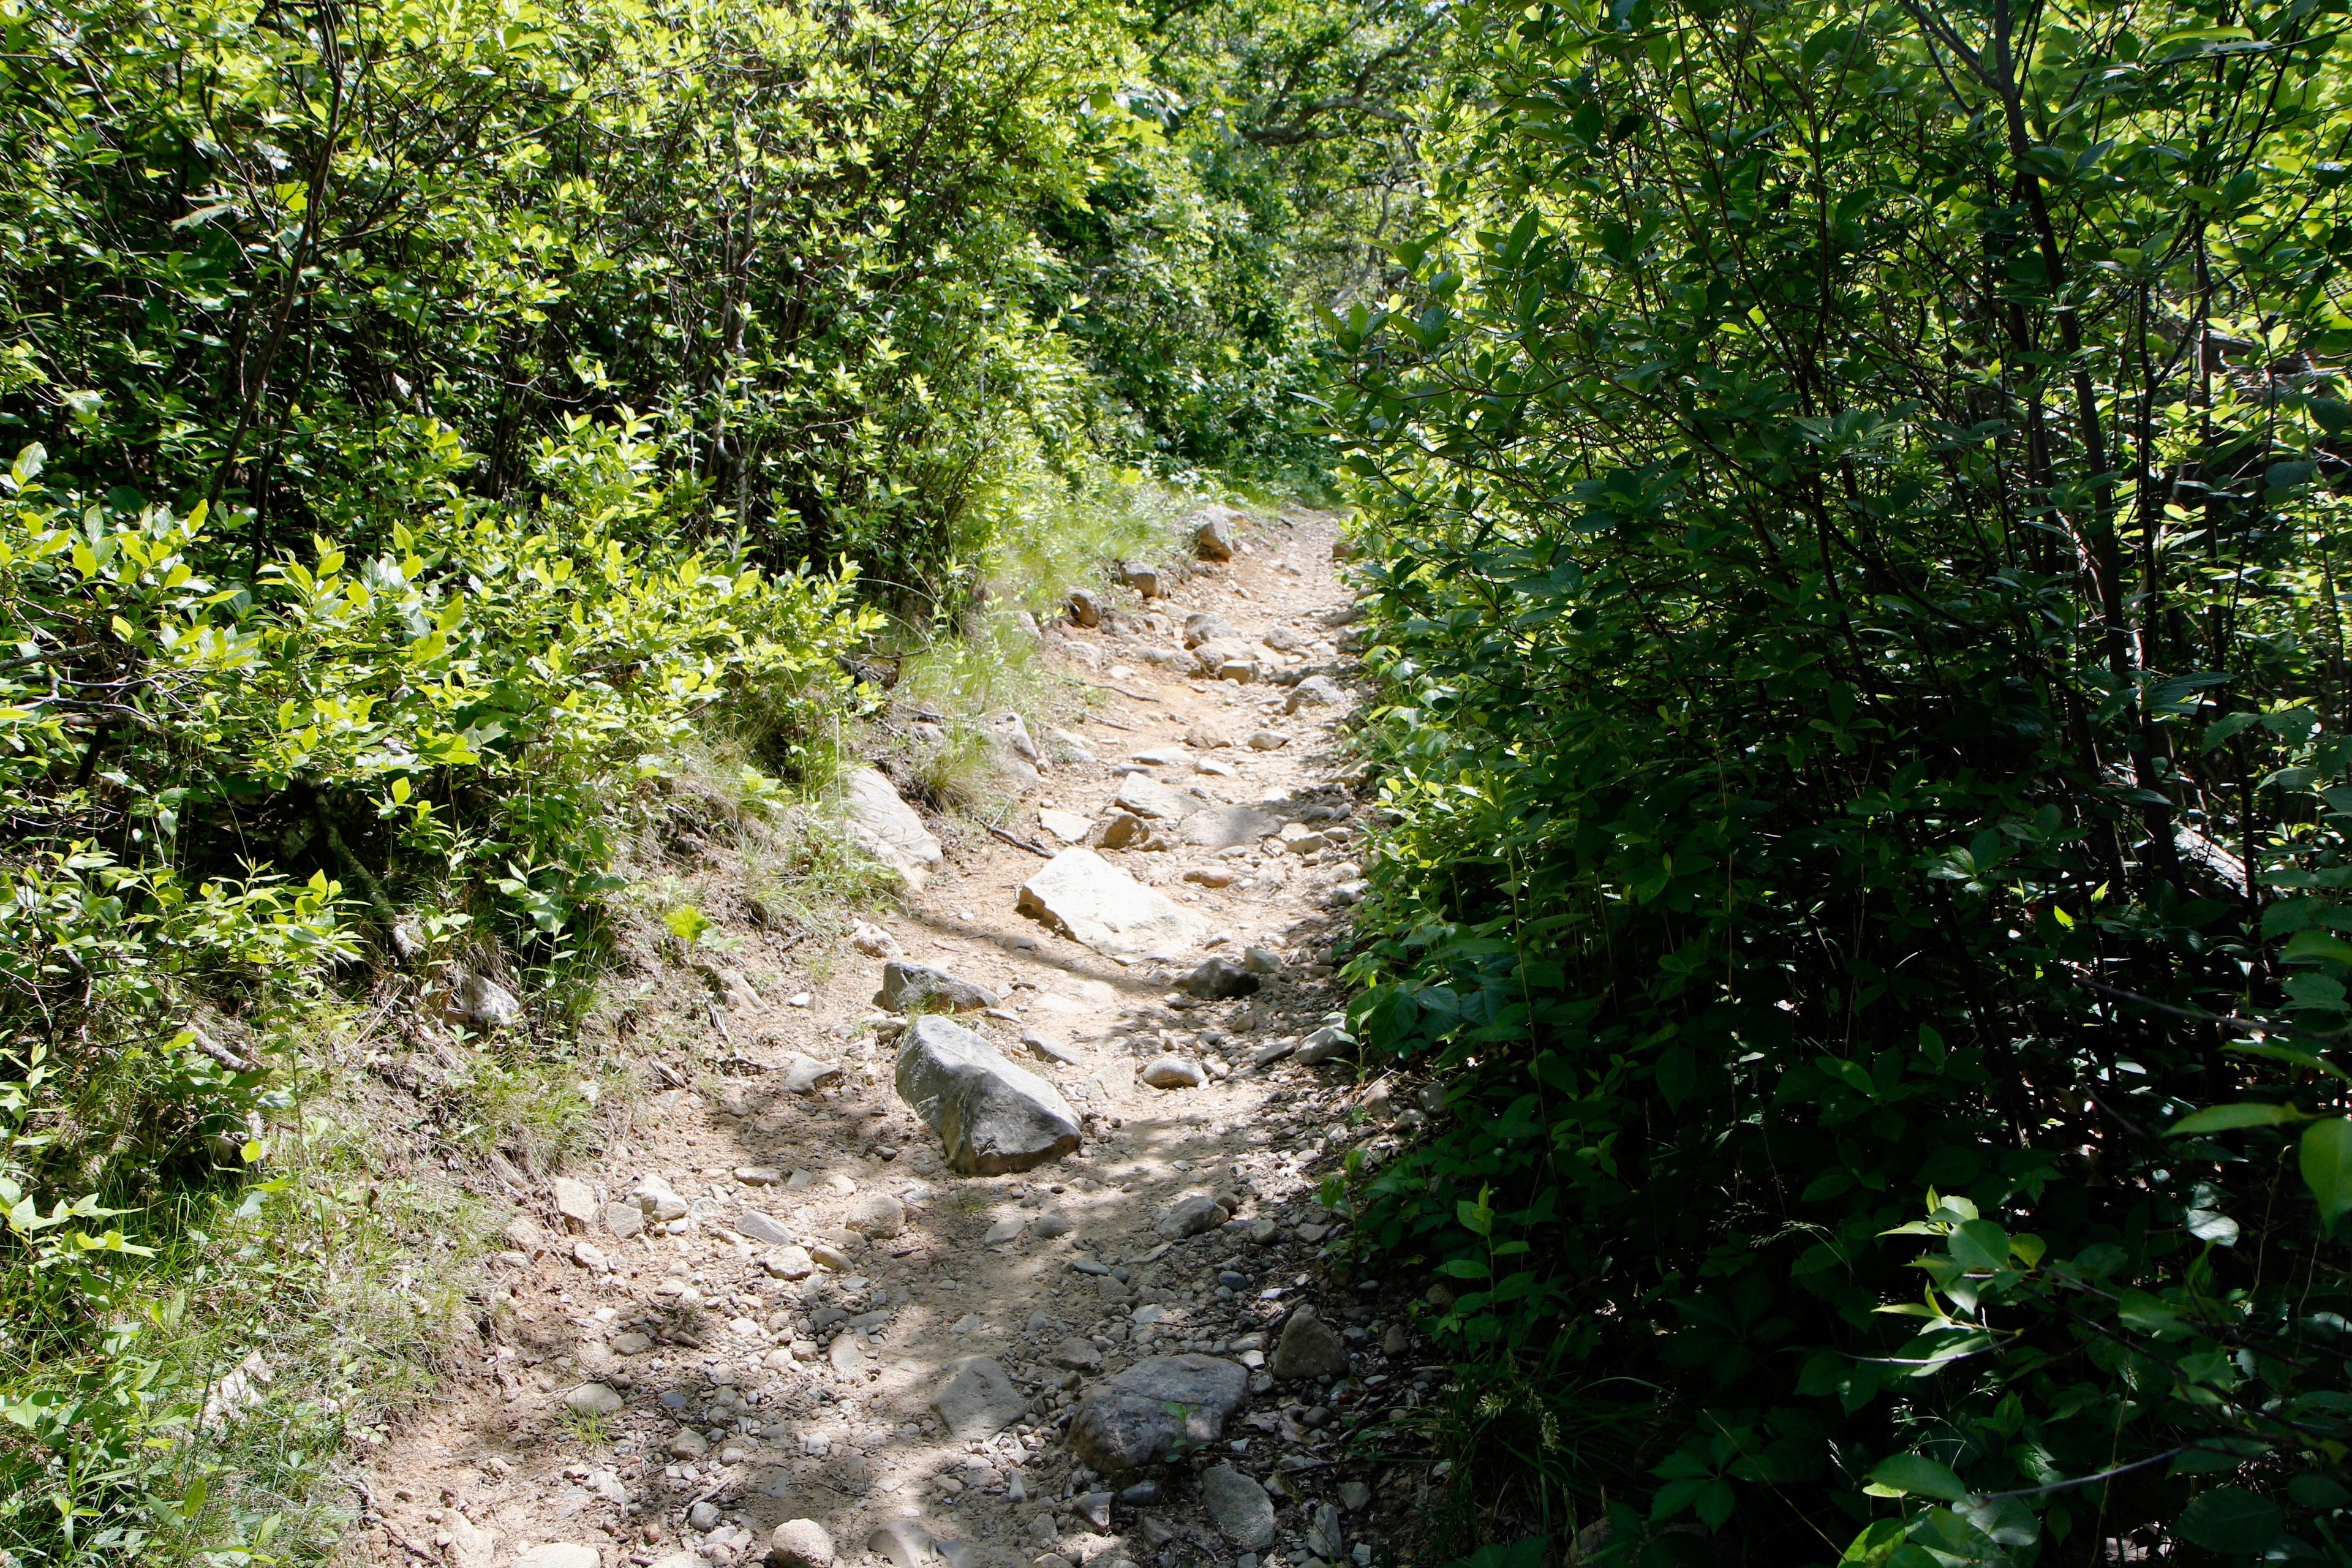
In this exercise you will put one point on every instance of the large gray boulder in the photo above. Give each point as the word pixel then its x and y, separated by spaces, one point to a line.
pixel 992 1117
pixel 886 827
pixel 916 987
pixel 1083 895
pixel 1141 1417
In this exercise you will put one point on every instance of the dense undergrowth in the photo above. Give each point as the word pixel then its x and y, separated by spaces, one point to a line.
pixel 1855 555
pixel 455 451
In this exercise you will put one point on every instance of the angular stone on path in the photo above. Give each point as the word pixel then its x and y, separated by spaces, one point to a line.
pixel 592 1399
pixel 800 1544
pixel 908 987
pixel 1217 979
pixel 525 1235
pixel 1268 741
pixel 1223 660
pixel 789 1263
pixel 877 1215
pixel 886 827
pixel 1078 1356
pixel 1323 1044
pixel 1202 627
pixel 1239 1506
pixel 992 1117
pixel 478 1002
pixel 1354 1495
pixel 1309 1348
pixel 1155 802
pixel 1124 830
pixel 1066 825
pixel 1212 533
pixel 1173 1073
pixel 753 1226
pixel 1142 1415
pixel 1051 1224
pixel 1315 692
pixel 576 1202
pixel 977 1399
pixel 1262 960
pixel 470 1546
pixel 904 1542
pixel 1191 1217
pixel 1141 576
pixel 657 1200
pixel 844 1355
pixel 873 940
pixel 559 1555
pixel 1081 894
pixel 807 1075
pixel 1048 1049
pixel 1223 827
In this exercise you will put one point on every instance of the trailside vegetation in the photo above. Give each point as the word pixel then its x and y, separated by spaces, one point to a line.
pixel 426 433
pixel 1857 513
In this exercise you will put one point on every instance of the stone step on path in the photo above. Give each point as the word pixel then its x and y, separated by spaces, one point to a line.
pixel 784 1319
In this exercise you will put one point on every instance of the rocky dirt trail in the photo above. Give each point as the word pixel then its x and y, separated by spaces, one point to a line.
pixel 776 1321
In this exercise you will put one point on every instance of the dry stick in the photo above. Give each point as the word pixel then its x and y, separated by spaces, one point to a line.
pixel 1017 841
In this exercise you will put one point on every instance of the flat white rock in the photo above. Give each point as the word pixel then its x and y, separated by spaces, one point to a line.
pixel 886 827
pixel 1093 902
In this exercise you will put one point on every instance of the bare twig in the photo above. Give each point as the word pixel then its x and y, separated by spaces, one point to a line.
pixel 1017 841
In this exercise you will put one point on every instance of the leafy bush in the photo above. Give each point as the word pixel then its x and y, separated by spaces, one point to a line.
pixel 1856 509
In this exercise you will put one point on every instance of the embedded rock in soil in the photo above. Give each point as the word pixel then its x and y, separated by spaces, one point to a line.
pixel 1323 1044
pixel 1212 533
pixel 575 1201
pixel 908 987
pixel 1084 895
pixel 1223 827
pixel 1141 577
pixel 1148 798
pixel 992 1117
pixel 479 1002
pixel 555 1555
pixel 1309 1348
pixel 1142 1415
pixel 1315 692
pixel 1202 627
pixel 800 1544
pixel 754 1226
pixel 1218 981
pixel 1191 1217
pixel 1174 1072
pixel 592 1399
pixel 1268 741
pixel 1085 610
pixel 807 1075
pixel 877 1215
pixel 886 827
pixel 1239 1506
pixel 904 1542
pixel 978 1400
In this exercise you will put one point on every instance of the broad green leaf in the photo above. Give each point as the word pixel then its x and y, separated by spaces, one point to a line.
pixel 2326 1158
pixel 1909 1475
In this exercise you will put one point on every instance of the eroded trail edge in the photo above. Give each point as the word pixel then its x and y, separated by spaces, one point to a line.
pixel 771 1322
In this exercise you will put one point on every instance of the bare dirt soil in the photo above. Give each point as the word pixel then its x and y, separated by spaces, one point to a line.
pixel 667 1393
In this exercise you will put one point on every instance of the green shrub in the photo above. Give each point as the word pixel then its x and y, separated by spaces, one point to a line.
pixel 1854 576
